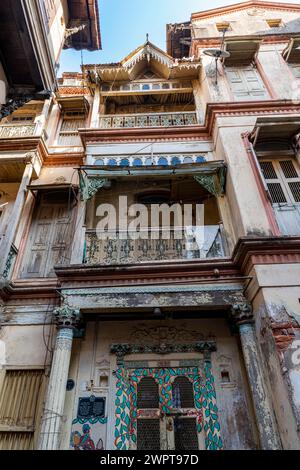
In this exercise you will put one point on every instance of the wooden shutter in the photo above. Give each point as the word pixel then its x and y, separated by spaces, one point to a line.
pixel 68 134
pixel 50 236
pixel 283 180
pixel 20 400
pixel 246 83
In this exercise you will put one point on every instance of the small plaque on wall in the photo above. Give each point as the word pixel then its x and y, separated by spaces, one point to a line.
pixel 91 407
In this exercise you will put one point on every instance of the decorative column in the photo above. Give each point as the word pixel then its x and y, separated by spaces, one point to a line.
pixel 67 318
pixel 265 419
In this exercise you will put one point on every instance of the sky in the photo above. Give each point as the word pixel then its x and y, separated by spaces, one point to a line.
pixel 125 23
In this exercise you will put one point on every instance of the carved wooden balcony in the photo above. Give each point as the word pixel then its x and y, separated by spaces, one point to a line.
pixel 17 130
pixel 153 245
pixel 117 121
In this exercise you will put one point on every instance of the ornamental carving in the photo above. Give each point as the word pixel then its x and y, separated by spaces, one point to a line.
pixel 241 313
pixel 121 350
pixel 67 317
pixel 165 334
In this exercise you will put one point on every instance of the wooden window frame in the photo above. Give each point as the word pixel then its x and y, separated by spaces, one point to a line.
pixel 250 96
pixel 282 179
pixel 67 117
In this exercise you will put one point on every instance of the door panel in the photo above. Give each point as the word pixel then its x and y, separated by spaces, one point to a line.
pixel 148 432
pixel 246 83
pixel 50 237
pixel 161 427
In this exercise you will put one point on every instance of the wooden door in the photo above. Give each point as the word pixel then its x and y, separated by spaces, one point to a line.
pixel 162 429
pixel 50 236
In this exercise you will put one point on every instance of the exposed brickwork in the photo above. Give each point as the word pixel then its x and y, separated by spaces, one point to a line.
pixel 284 334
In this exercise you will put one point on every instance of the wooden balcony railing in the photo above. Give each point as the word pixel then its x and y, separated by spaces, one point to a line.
pixel 116 121
pixel 112 248
pixel 17 130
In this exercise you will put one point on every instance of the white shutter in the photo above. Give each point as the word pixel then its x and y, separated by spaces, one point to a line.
pixel 246 83
pixel 283 182
pixel 237 84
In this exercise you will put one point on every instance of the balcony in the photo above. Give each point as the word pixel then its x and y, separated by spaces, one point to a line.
pixel 154 245
pixel 120 121
pixel 17 130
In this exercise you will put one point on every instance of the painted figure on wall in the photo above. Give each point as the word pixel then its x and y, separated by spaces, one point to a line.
pixel 84 441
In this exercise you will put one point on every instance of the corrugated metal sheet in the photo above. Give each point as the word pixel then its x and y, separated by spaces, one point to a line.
pixel 16 441
pixel 19 399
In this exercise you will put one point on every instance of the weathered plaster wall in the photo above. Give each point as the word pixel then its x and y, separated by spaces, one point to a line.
pixel 25 346
pixel 248 21
pixel 274 292
pixel 248 213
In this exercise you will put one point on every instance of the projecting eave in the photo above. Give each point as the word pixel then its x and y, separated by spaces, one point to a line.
pixel 145 57
pixel 83 17
pixel 276 132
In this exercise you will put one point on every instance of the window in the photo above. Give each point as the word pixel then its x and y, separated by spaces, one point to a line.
pixel 275 23
pixel 68 133
pixel 22 119
pixel 221 27
pixel 20 399
pixel 182 393
pixel 283 180
pixel 137 162
pixel 124 162
pixel 162 161
pixel 246 83
pixel 147 393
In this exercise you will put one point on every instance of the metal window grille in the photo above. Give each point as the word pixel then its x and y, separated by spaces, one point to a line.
pixel 147 393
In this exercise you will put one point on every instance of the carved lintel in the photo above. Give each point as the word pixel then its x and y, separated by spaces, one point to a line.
pixel 241 313
pixel 121 350
pixel 67 317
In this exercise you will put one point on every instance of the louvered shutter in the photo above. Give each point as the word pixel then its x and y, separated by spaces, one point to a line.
pixel 246 83
pixel 283 182
pixel 68 134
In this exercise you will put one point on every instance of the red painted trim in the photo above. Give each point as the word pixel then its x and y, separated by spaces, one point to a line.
pixel 244 6
pixel 266 80
pixel 261 189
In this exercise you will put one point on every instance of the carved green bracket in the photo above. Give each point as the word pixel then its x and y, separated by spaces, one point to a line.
pixel 89 186
pixel 214 183
pixel 10 261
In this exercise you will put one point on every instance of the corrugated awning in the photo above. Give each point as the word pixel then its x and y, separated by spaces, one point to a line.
pixel 210 175
pixel 275 132
pixel 242 51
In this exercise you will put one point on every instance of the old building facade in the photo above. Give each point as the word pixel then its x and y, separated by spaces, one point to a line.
pixel 187 341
